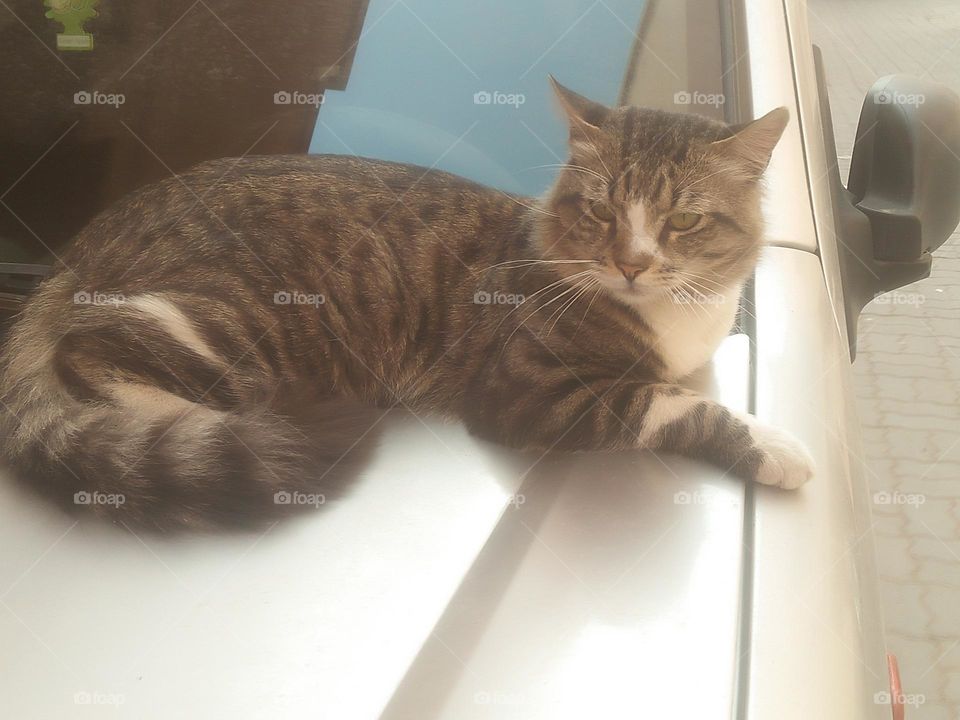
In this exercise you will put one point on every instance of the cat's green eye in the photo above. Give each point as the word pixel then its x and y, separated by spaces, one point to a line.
pixel 683 220
pixel 601 211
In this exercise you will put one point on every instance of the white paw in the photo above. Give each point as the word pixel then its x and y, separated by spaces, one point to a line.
pixel 786 463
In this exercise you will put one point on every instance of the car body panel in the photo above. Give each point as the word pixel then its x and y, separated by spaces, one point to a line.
pixel 819 164
pixel 816 630
pixel 787 210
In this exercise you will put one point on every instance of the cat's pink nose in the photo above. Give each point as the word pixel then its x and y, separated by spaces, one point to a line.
pixel 635 267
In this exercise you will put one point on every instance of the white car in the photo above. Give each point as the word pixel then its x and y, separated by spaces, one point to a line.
pixel 460 580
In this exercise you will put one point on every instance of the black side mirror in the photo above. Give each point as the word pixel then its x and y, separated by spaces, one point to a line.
pixel 905 170
pixel 903 196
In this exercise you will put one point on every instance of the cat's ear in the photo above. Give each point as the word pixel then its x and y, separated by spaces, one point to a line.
pixel 752 144
pixel 583 115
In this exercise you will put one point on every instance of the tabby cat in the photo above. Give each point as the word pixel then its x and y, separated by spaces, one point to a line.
pixel 214 339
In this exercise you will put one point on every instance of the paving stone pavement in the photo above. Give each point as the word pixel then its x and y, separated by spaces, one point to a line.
pixel 907 372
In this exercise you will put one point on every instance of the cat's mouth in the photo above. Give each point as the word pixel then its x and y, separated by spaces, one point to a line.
pixel 634 290
pixel 633 283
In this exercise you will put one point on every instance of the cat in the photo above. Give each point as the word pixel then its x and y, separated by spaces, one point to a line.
pixel 216 338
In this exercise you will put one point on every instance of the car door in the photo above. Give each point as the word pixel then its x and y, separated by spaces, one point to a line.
pixel 814 578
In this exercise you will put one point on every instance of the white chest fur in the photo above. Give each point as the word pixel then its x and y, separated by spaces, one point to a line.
pixel 688 333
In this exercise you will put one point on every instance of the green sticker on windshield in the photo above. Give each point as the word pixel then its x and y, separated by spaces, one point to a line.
pixel 72 14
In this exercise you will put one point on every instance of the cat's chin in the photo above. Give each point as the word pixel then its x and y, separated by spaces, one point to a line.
pixel 638 295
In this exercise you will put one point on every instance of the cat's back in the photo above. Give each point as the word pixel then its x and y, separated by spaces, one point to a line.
pixel 320 170
pixel 288 180
pixel 273 204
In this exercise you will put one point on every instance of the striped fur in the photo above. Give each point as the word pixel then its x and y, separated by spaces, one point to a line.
pixel 222 337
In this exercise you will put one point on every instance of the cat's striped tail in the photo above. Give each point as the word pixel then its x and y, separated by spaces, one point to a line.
pixel 101 438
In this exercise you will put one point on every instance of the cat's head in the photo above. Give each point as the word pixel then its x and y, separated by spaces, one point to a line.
pixel 658 202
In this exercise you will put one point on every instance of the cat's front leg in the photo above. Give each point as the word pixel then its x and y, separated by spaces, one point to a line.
pixel 681 421
pixel 605 414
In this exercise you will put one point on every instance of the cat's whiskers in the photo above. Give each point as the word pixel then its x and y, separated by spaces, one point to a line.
pixel 700 295
pixel 542 305
pixel 692 288
pixel 535 208
pixel 710 282
pixel 565 278
pixel 692 283
pixel 687 303
pixel 716 289
pixel 697 304
pixel 678 182
pixel 542 290
pixel 699 180
pixel 706 290
pixel 586 171
pixel 523 262
pixel 551 301
pixel 567 166
pixel 596 152
pixel 678 297
pixel 696 283
pixel 589 305
pixel 584 287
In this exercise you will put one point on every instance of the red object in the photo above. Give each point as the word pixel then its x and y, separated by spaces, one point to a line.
pixel 896 689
